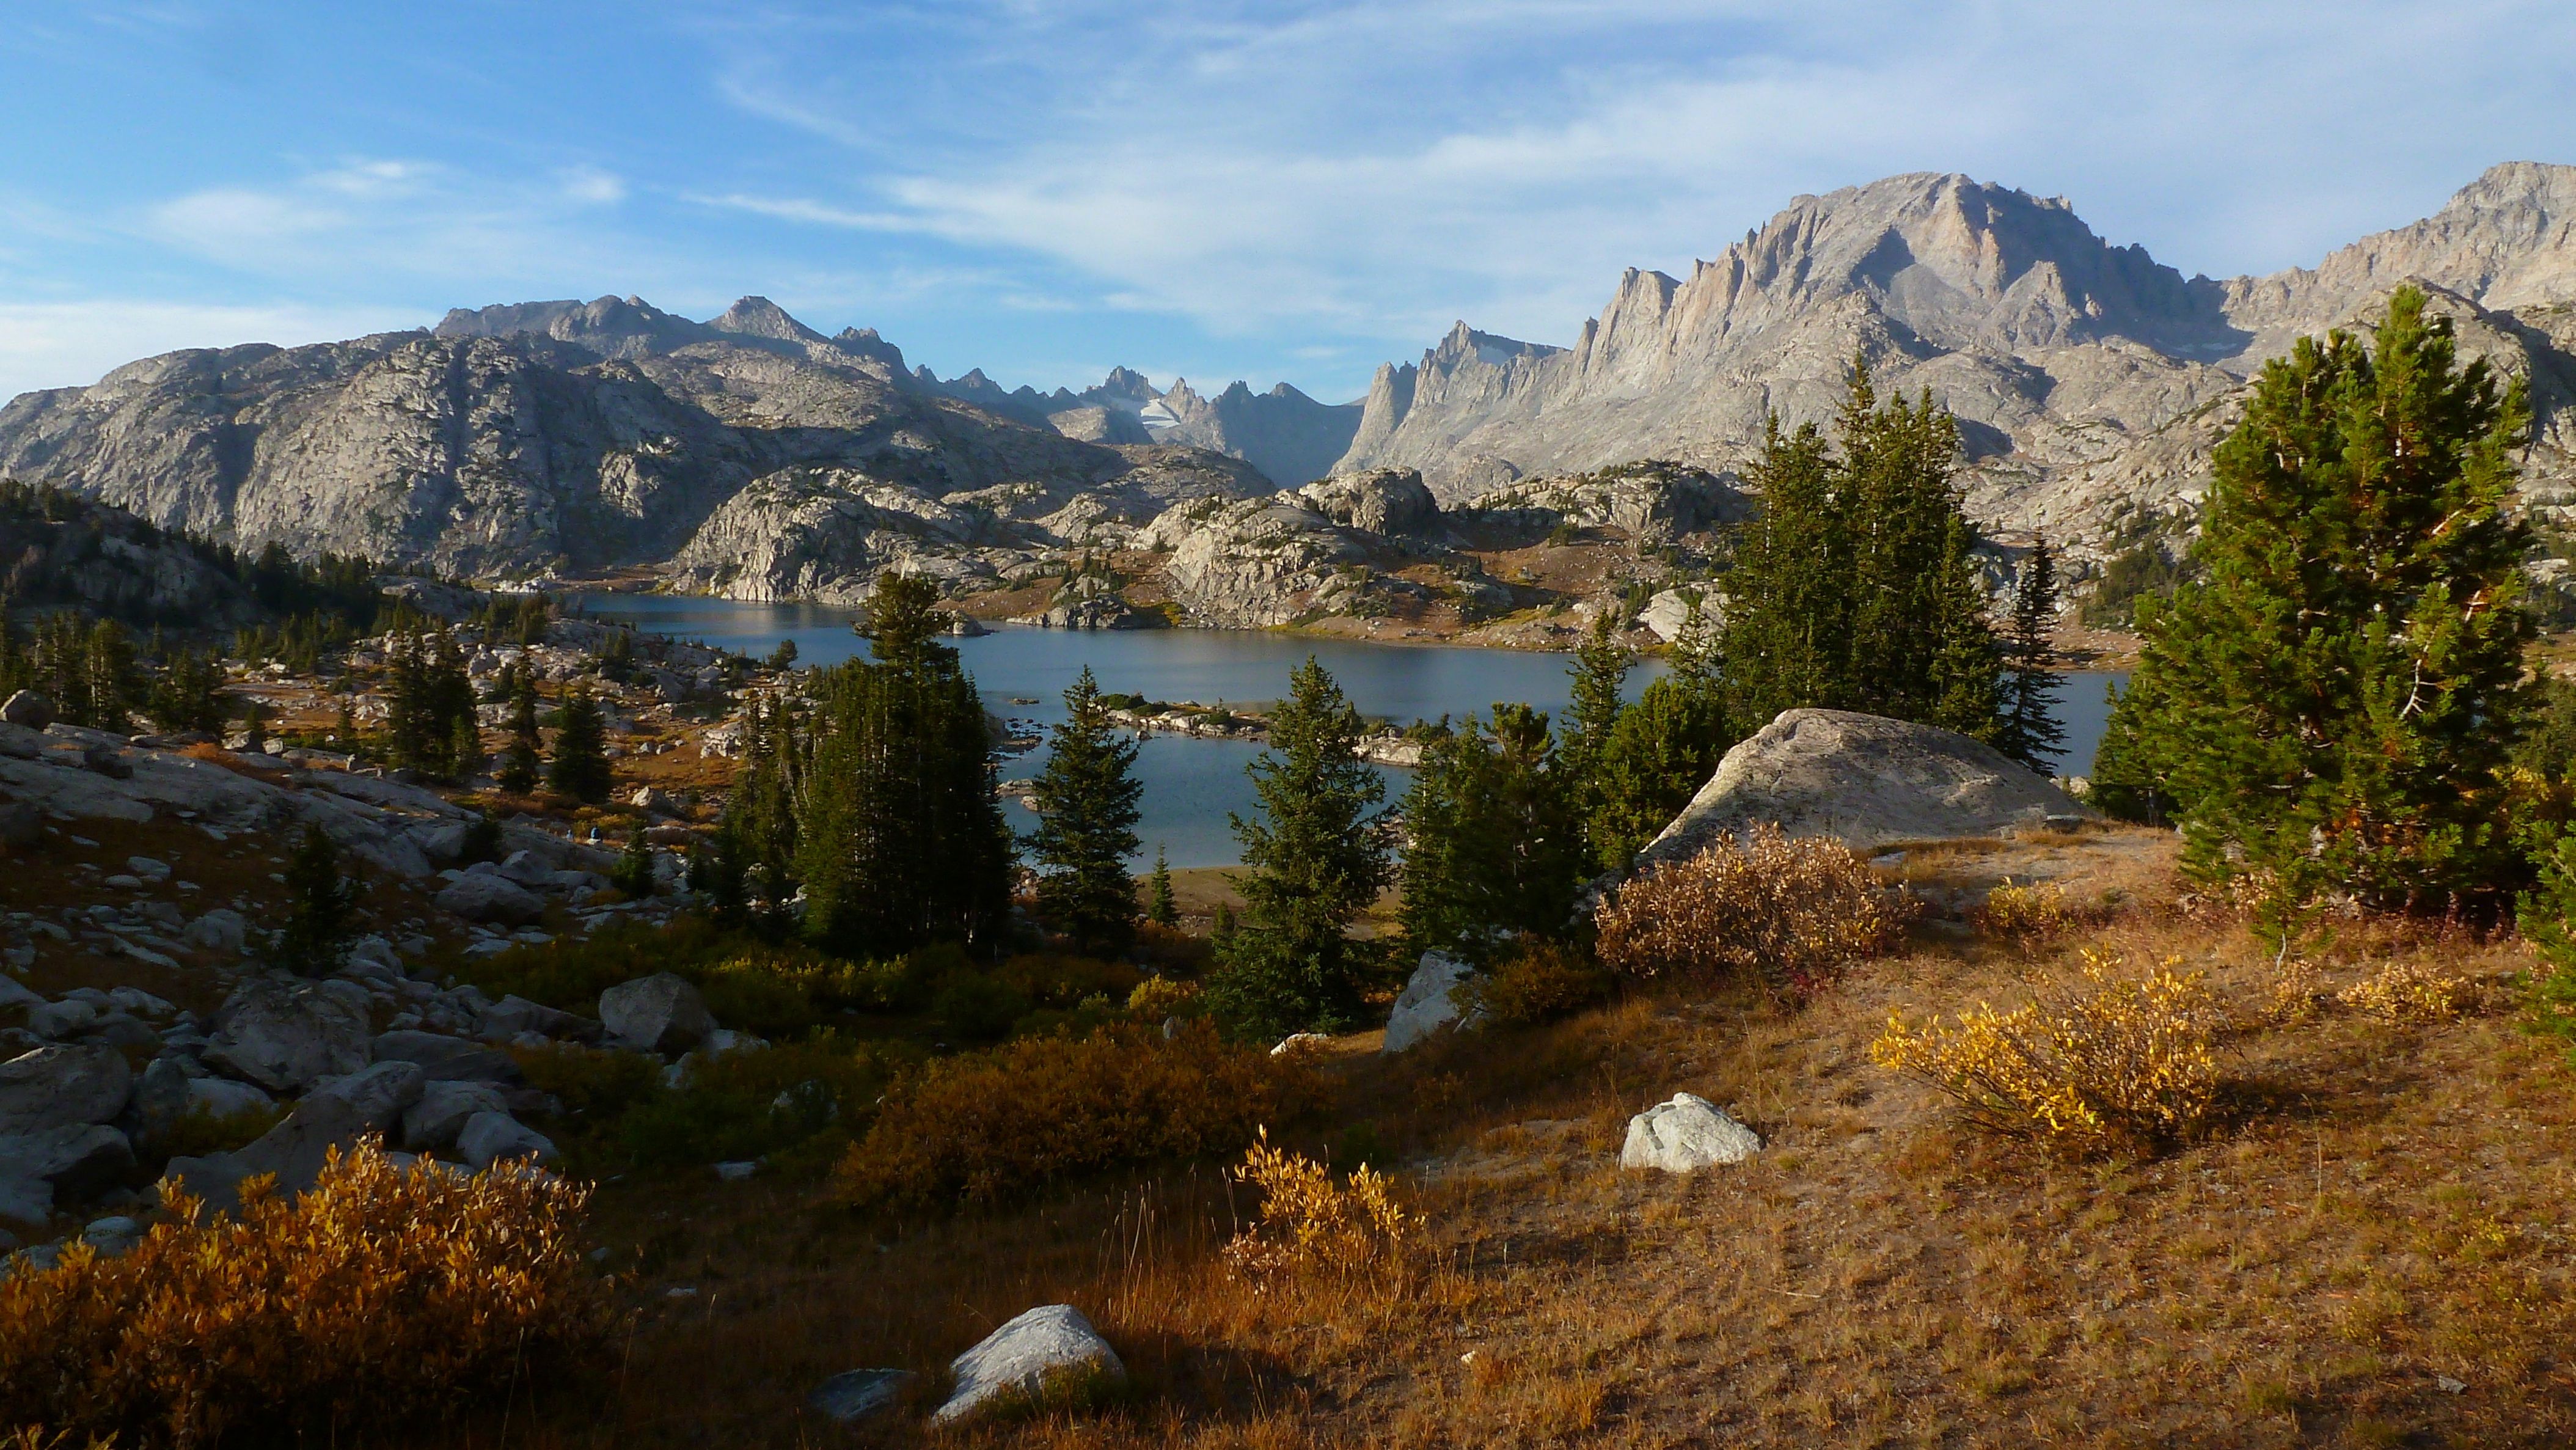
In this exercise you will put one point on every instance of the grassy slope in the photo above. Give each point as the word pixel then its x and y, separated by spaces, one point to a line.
pixel 2386 1210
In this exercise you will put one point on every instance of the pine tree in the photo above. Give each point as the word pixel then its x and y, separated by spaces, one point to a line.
pixel 898 839
pixel 2030 732
pixel 1496 849
pixel 1661 752
pixel 1317 856
pixel 1160 907
pixel 324 901
pixel 580 767
pixel 2332 707
pixel 520 763
pixel 632 873
pixel 1600 668
pixel 407 708
pixel 1087 813
pixel 1788 622
pixel 255 728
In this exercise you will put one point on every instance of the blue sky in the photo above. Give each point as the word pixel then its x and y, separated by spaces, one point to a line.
pixel 1213 189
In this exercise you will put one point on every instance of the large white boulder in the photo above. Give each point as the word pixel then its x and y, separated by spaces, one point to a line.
pixel 62 1086
pixel 1426 1004
pixel 1021 1356
pixel 1865 780
pixel 1685 1135
pixel 284 1034
pixel 659 1013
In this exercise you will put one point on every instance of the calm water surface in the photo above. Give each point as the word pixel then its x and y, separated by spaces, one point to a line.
pixel 1191 785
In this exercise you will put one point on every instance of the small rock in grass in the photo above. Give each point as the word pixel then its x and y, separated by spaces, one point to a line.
pixel 1685 1135
pixel 1024 1356
pixel 856 1394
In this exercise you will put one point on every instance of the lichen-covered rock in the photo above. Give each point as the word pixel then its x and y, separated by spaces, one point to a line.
pixel 1685 1135
pixel 1865 780
pixel 1427 1003
pixel 283 1034
pixel 1023 1356
pixel 62 1085
pixel 660 1013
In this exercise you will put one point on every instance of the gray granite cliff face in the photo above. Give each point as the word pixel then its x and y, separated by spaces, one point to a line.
pixel 2092 380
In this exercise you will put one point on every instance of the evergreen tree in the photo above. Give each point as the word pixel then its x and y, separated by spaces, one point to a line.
pixel 187 696
pixel 255 728
pixel 1496 848
pixel 580 767
pixel 1160 907
pixel 407 710
pixel 1600 668
pixel 1663 749
pixel 1087 813
pixel 1857 587
pixel 1317 855
pixel 898 839
pixel 632 872
pixel 344 729
pixel 2030 732
pixel 324 903
pixel 520 762
pixel 2331 708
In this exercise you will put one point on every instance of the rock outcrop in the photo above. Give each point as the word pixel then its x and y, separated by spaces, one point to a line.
pixel 1426 1005
pixel 1865 780
pixel 1023 1356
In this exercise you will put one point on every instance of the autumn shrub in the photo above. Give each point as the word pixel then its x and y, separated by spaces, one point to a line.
pixel 1310 1224
pixel 1789 913
pixel 1158 997
pixel 2410 992
pixel 381 1295
pixel 983 1126
pixel 2035 912
pixel 1537 981
pixel 2106 1059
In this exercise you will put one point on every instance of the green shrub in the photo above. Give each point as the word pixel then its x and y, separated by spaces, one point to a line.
pixel 758 986
pixel 201 1133
pixel 989 1125
pixel 974 1006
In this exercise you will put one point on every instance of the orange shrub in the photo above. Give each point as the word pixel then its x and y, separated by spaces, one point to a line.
pixel 381 1293
pixel 985 1125
pixel 1539 982
pixel 1788 912
pixel 1309 1223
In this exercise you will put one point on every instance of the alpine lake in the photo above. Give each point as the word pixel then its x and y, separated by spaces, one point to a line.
pixel 1193 786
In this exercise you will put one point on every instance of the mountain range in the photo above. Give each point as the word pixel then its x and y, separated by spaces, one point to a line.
pixel 753 454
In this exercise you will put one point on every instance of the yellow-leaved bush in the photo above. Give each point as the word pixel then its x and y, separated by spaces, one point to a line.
pixel 381 1293
pixel 982 1126
pixel 1310 1223
pixel 2410 992
pixel 1791 913
pixel 2109 1058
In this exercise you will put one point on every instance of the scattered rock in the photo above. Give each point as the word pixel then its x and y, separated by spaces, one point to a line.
pixel 28 708
pixel 284 1034
pixel 1293 1042
pixel 488 1138
pixel 433 1123
pixel 1870 781
pixel 446 1059
pixel 21 824
pixel 1685 1135
pixel 514 1014
pixel 660 1013
pixel 112 1236
pixel 220 930
pixel 1023 1355
pixel 1426 1006
pixel 60 1019
pixel 25 1200
pixel 377 1095
pixel 77 1160
pixel 62 1086
pixel 477 896
pixel 854 1395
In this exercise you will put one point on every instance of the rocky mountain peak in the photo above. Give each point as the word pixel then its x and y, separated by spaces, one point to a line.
pixel 760 317
pixel 620 327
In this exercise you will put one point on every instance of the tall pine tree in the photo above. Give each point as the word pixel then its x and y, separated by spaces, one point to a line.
pixel 898 839
pixel 2331 708
pixel 1087 813
pixel 2030 732
pixel 1316 858
pixel 1496 846
pixel 580 767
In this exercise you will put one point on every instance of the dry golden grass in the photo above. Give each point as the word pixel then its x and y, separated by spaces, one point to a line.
pixel 2380 1208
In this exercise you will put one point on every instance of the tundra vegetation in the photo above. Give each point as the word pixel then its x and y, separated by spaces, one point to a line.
pixel 2259 1133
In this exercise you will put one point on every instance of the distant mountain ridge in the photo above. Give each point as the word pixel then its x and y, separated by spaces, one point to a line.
pixel 2091 379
